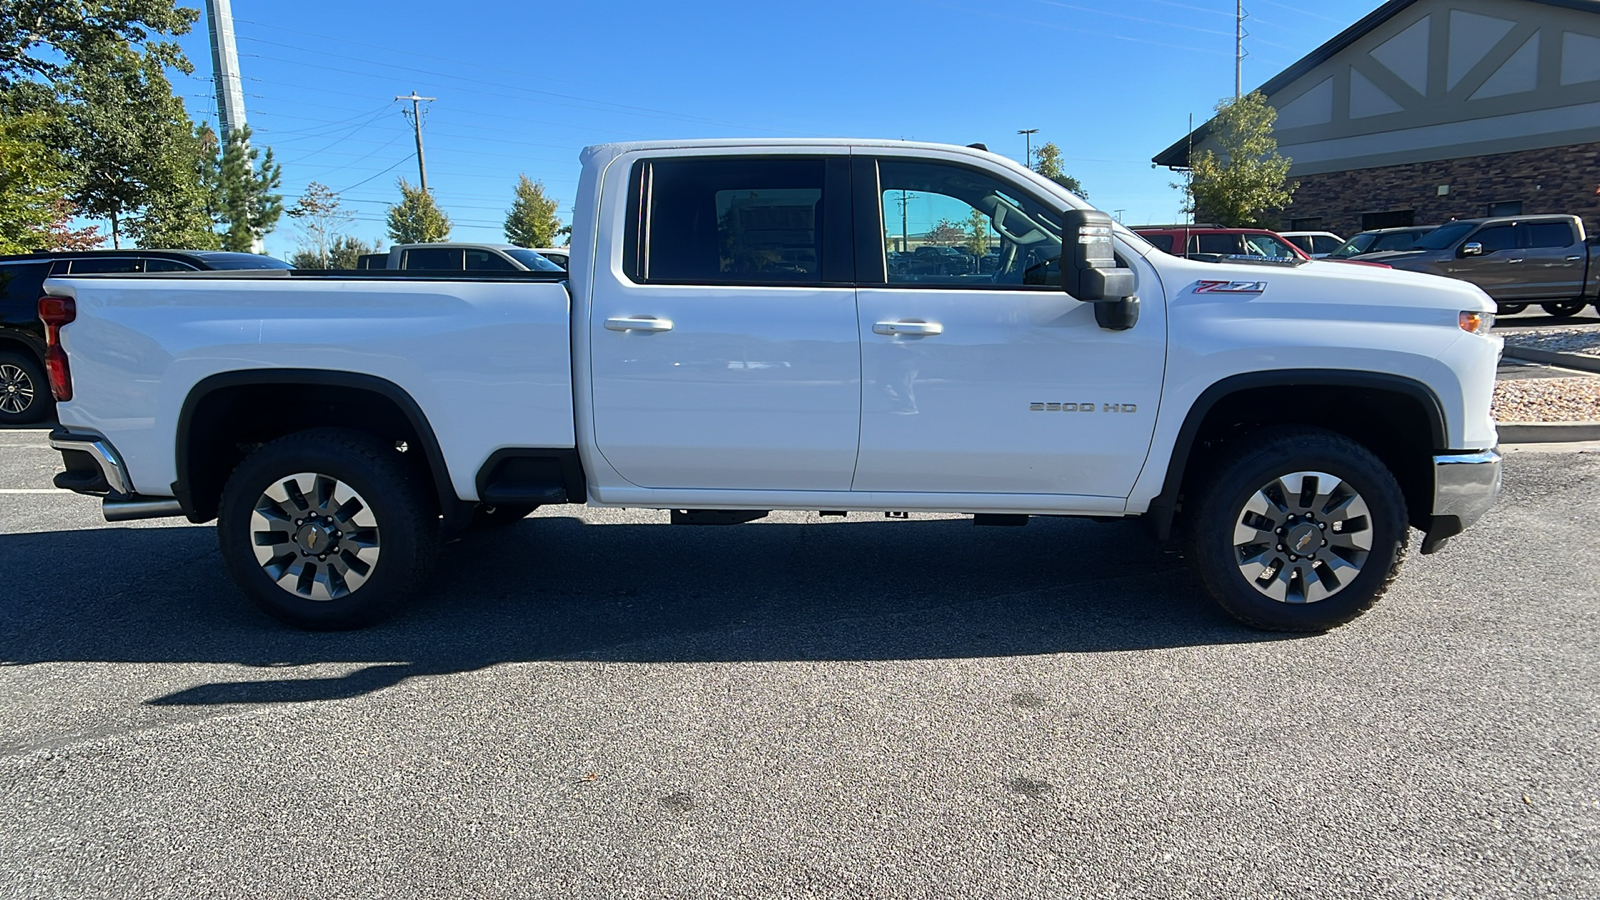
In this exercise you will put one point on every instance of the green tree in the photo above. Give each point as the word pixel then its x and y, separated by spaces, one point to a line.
pixel 416 219
pixel 532 221
pixel 945 233
pixel 343 252
pixel 245 183
pixel 978 233
pixel 1047 162
pixel 1247 184
pixel 320 216
pixel 33 184
pixel 44 39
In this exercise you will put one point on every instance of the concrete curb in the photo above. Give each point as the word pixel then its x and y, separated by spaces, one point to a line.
pixel 1564 360
pixel 1548 432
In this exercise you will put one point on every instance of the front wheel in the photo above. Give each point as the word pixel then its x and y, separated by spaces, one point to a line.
pixel 1509 309
pixel 327 529
pixel 1297 530
pixel 1564 310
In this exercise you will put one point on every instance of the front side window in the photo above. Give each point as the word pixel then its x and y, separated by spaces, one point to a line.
pixel 1265 245
pixel 486 261
pixel 727 220
pixel 1444 236
pixel 1496 238
pixel 535 262
pixel 947 225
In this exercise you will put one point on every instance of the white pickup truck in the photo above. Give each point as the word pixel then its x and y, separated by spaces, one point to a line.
pixel 730 340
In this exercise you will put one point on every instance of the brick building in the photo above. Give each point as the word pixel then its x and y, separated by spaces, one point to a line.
pixel 1428 110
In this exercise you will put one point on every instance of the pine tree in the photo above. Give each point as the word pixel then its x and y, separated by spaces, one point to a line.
pixel 250 209
pixel 416 219
pixel 532 221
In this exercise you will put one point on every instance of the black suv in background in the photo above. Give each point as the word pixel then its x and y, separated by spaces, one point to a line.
pixel 24 389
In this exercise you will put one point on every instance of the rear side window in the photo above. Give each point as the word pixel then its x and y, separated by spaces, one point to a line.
pixel 101 265
pixel 1303 241
pixel 22 284
pixel 1226 244
pixel 434 259
pixel 1549 234
pixel 730 220
pixel 1161 242
pixel 1321 243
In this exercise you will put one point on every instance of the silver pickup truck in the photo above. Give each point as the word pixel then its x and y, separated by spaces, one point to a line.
pixel 1517 260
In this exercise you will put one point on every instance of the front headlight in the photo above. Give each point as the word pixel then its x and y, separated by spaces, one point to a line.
pixel 1475 322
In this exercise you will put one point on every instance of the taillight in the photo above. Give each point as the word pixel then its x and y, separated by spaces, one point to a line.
pixel 55 312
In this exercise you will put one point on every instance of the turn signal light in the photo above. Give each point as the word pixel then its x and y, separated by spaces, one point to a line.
pixel 55 312
pixel 1476 322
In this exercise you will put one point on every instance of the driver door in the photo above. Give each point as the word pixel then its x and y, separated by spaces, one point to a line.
pixel 990 379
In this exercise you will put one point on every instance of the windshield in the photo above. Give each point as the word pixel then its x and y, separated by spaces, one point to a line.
pixel 533 260
pixel 1357 244
pixel 1445 236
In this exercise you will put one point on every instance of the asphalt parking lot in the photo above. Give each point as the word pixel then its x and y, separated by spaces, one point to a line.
pixel 595 704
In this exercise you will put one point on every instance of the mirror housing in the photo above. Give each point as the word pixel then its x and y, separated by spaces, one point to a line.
pixel 1089 270
pixel 1471 248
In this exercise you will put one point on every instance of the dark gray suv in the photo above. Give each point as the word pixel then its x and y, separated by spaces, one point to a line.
pixel 24 388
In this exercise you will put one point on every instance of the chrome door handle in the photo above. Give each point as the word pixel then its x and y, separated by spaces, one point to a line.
pixel 1574 258
pixel 908 328
pixel 1514 260
pixel 638 323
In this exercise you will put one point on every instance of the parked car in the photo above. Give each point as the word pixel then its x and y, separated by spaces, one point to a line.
pixel 1517 260
pixel 335 424
pixel 1380 240
pixel 1317 244
pixel 1215 241
pixel 457 257
pixel 24 396
pixel 558 255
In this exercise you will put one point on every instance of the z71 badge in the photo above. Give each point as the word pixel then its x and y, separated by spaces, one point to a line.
pixel 1230 287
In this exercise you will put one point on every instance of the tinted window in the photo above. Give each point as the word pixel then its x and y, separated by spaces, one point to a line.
pixel 1445 236
pixel 166 265
pixel 1399 240
pixel 21 284
pixel 98 265
pixel 1161 241
pixel 960 227
pixel 536 262
pixel 1548 234
pixel 487 261
pixel 434 259
pixel 242 261
pixel 1324 244
pixel 1303 241
pixel 1268 246
pixel 1361 243
pixel 1226 244
pixel 1496 238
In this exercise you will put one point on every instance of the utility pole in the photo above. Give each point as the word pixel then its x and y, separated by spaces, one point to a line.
pixel 1027 137
pixel 416 121
pixel 1238 48
pixel 229 86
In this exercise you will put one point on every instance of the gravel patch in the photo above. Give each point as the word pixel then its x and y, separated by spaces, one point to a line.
pixel 1582 339
pixel 1548 400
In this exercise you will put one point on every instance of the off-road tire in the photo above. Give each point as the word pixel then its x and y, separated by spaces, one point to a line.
pixel 406 526
pixel 1234 476
pixel 1564 309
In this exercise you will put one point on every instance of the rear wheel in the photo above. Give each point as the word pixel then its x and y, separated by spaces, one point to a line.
pixel 1565 309
pixel 24 389
pixel 1297 530
pixel 327 529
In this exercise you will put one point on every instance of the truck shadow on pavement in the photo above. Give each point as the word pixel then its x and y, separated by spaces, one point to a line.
pixel 555 588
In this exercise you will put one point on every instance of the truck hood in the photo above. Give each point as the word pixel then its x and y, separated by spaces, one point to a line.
pixel 1319 282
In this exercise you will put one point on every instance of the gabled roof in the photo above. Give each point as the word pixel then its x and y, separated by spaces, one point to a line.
pixel 1177 155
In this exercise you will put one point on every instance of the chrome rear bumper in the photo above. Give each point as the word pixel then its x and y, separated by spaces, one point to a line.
pixel 94 467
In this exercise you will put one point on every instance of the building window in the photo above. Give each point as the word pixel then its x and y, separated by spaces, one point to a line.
pixel 1310 223
pixel 1504 208
pixel 1394 218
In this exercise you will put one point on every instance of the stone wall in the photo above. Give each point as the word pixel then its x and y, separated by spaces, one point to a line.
pixel 1555 180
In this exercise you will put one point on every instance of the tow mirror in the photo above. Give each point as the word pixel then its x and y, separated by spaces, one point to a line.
pixel 1089 270
pixel 1472 248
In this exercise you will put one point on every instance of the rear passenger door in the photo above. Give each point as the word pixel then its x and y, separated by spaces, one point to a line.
pixel 1553 262
pixel 724 352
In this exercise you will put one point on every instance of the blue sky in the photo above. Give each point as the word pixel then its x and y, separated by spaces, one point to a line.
pixel 522 87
